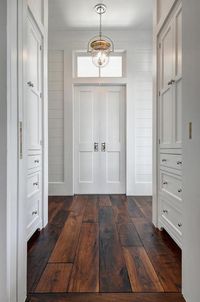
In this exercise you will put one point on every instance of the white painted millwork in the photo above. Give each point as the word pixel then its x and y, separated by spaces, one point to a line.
pixel 34 128
pixel 170 206
pixel 99 133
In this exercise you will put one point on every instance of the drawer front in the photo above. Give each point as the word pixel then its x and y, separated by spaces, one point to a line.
pixel 171 216
pixel 33 184
pixel 33 210
pixel 34 162
pixel 171 161
pixel 171 185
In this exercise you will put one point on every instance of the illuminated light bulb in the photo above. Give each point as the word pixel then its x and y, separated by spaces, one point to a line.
pixel 100 58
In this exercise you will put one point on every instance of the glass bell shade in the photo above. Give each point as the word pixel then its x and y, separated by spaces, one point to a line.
pixel 100 58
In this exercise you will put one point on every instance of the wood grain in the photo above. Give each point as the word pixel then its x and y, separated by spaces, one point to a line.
pixel 113 272
pixel 66 245
pixel 40 252
pixel 120 210
pixel 55 278
pixel 133 209
pixel 85 274
pixel 104 201
pixel 142 275
pixel 134 297
pixel 91 211
pixel 164 258
pixel 128 235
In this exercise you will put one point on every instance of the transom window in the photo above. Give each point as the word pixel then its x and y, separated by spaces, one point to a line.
pixel 84 67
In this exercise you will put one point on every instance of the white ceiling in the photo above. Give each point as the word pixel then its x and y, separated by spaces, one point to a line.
pixel 121 14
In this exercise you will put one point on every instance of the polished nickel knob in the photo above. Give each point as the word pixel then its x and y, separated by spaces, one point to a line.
pixel 179 162
pixel 35 184
pixel 179 190
pixel 165 211
pixel 30 84
pixel 34 213
pixel 179 225
pixel 36 161
pixel 165 182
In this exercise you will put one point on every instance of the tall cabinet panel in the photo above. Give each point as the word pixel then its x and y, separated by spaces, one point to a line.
pixel 169 124
pixel 34 128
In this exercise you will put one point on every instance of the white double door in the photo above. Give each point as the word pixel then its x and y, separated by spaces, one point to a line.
pixel 99 140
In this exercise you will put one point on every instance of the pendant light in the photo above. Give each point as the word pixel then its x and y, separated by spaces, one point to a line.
pixel 100 46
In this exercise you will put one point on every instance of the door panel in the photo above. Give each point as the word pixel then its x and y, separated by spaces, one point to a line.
pixel 86 160
pixel 34 106
pixel 99 119
pixel 113 134
pixel 167 57
pixel 166 119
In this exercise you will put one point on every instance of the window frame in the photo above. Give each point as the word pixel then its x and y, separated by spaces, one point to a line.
pixel 78 53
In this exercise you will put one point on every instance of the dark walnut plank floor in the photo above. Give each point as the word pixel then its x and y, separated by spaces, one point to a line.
pixel 102 248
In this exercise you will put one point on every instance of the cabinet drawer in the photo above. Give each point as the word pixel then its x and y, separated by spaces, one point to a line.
pixel 33 210
pixel 171 161
pixel 171 185
pixel 171 216
pixel 34 162
pixel 33 184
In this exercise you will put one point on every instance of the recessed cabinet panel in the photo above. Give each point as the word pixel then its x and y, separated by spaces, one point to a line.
pixel 34 121
pixel 178 45
pixel 167 57
pixel 166 119
pixel 178 113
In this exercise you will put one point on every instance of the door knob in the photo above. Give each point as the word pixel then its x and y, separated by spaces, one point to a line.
pixel 103 147
pixel 96 147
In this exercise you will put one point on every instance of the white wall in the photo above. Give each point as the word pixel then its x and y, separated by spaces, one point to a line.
pixel 56 116
pixel 191 150
pixel 3 147
pixel 139 101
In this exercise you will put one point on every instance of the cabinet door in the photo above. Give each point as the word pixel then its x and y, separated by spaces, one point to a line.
pixel 167 56
pixel 34 106
pixel 178 79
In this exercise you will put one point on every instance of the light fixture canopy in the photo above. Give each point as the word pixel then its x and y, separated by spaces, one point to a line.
pixel 100 46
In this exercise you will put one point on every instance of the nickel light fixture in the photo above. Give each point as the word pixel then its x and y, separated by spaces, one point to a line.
pixel 100 46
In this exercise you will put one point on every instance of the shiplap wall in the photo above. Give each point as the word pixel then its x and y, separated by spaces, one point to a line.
pixel 138 102
pixel 143 117
pixel 56 116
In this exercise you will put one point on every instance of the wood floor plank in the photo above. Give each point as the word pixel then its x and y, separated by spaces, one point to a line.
pixel 85 273
pixel 120 210
pixel 133 209
pixel 91 211
pixel 134 297
pixel 55 278
pixel 40 252
pixel 145 205
pixel 66 245
pixel 113 272
pixel 104 201
pixel 142 275
pixel 164 259
pixel 128 235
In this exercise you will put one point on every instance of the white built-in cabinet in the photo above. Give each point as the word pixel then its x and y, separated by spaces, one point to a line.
pixel 34 128
pixel 169 124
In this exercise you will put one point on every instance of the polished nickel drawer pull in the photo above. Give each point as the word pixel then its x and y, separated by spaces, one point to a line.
pixel 164 160
pixel 96 147
pixel 179 162
pixel 35 184
pixel 36 161
pixel 165 211
pixel 179 190
pixel 165 183
pixel 34 213
pixel 103 147
pixel 179 225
